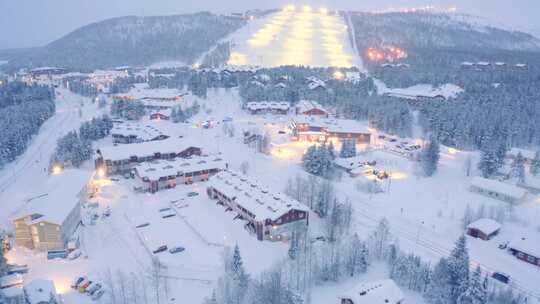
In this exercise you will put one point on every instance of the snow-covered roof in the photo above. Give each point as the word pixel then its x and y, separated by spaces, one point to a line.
pixel 10 280
pixel 521 65
pixel 143 132
pixel 251 195
pixel 306 105
pixel 350 163
pixel 332 125
pixel 376 292
pixel 263 105
pixel 467 63
pixel 149 148
pixel 498 187
pixel 12 292
pixel 424 90
pixel 486 225
pixel 528 245
pixel 483 63
pixel 39 291
pixel 528 154
pixel 143 91
pixel 56 197
pixel 312 85
pixel 162 168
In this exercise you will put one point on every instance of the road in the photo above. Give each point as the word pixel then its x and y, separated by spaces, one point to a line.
pixel 29 169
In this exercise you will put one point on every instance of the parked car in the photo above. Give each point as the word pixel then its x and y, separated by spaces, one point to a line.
pixel 192 194
pixel 94 288
pixel 74 254
pixel 160 249
pixel 82 287
pixel 176 249
pixel 57 254
pixel 98 295
pixel 281 132
pixel 107 212
pixel 142 225
pixel 77 281
pixel 503 245
pixel 501 277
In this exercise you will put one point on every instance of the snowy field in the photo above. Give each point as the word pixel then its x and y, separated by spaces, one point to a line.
pixel 424 213
pixel 295 36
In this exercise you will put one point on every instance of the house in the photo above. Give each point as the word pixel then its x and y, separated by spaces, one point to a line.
pixel 160 114
pixel 123 158
pixel 263 107
pixel 483 228
pixel 269 215
pixel 498 190
pixel 376 292
pixel 315 84
pixel 165 174
pixel 11 289
pixel 48 220
pixel 310 108
pixel 526 249
pixel 40 292
pixel 314 128
pixel 355 166
pixel 128 133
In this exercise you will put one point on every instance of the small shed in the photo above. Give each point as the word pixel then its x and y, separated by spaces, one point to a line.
pixel 376 292
pixel 40 292
pixel 483 228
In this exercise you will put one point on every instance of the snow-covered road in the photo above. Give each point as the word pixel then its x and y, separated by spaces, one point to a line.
pixel 30 169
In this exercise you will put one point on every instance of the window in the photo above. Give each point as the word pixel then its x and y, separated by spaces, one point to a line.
pixel 531 259
pixel 520 255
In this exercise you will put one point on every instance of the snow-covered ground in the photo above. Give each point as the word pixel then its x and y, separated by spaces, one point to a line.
pixel 299 36
pixel 424 213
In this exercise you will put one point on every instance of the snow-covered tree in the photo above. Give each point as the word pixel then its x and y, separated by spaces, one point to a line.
pixel 476 292
pixel 379 239
pixel 438 290
pixel 458 269
pixel 518 168
pixel 489 163
pixel 429 157
pixel 535 164
pixel 348 148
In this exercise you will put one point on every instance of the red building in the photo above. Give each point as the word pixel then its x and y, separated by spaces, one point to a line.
pixel 269 215
pixel 526 249
pixel 310 108
pixel 483 228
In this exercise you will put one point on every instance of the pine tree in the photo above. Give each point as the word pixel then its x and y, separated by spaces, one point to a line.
pixel 348 148
pixel 438 290
pixel 535 164
pixel 429 158
pixel 476 292
pixel 458 269
pixel 488 163
pixel 518 168
pixel 332 150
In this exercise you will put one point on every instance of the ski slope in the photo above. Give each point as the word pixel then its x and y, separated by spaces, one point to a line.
pixel 295 36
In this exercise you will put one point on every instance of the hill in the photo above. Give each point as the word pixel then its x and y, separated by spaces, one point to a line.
pixel 132 41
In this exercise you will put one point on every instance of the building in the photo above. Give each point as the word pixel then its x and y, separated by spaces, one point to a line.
pixel 11 289
pixel 123 158
pixel 40 292
pixel 48 220
pixel 264 107
pixel 498 190
pixel 165 174
pixel 270 215
pixel 160 114
pixel 526 249
pixel 313 128
pixel 128 133
pixel 483 228
pixel 310 108
pixel 376 292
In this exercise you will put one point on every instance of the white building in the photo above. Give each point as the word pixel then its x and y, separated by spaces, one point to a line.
pixel 376 292
pixel 48 219
pixel 123 158
pixel 127 133
pixel 165 174
pixel 498 190
pixel 270 215
pixel 40 292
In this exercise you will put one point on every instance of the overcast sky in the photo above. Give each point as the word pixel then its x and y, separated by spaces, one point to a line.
pixel 25 23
